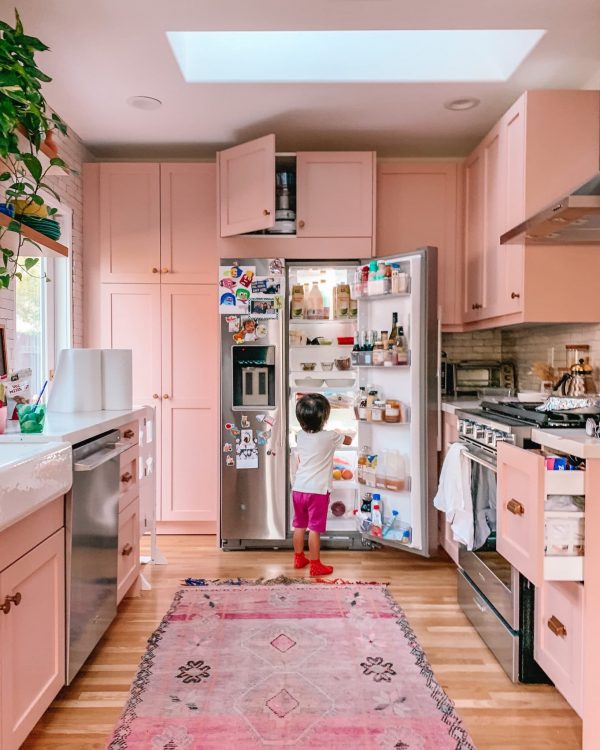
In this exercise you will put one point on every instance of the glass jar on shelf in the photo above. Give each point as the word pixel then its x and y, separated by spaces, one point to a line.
pixel 378 354
pixel 378 410
pixel 392 410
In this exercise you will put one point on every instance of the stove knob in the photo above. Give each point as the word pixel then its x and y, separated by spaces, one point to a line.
pixel 468 427
pixel 489 436
pixel 505 437
pixel 479 432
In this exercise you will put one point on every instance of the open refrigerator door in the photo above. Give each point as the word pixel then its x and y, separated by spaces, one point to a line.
pixel 323 315
pixel 397 378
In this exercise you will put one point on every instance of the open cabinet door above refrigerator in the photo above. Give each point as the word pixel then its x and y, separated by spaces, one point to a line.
pixel 396 362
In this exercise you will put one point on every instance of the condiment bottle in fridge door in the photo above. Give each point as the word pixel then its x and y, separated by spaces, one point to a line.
pixel 376 525
pixel 343 301
pixel 297 305
pixel 358 400
pixel 326 298
pixel 361 464
pixel 380 473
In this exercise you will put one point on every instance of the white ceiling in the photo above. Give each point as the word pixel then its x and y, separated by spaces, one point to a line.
pixel 105 51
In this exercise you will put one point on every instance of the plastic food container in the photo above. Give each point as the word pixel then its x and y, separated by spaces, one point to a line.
pixel 345 340
pixel 342 363
pixel 309 382
pixel 306 366
pixel 327 366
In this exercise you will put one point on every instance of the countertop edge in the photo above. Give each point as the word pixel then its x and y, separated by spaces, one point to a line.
pixel 565 441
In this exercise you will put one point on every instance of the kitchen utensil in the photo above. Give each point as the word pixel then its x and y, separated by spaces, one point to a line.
pixel 309 382
pixel 577 382
pixel 307 366
pixel 41 394
pixel 327 366
pixel 342 363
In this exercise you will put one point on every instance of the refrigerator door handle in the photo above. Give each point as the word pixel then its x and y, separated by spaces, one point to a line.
pixel 438 380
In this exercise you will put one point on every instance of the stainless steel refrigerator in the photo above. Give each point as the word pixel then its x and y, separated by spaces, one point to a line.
pixel 272 353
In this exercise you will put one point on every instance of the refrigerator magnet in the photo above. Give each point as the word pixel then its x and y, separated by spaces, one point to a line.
pixel 261 331
pixel 227 448
pixel 233 323
pixel 245 422
pixel 265 434
pixel 227 300
pixel 269 420
pixel 246 280
pixel 276 267
pixel 264 307
pixel 229 461
pixel 235 432
pixel 246 454
pixel 260 417
pixel 229 426
pixel 228 284
pixel 242 294
pixel 261 440
pixel 278 302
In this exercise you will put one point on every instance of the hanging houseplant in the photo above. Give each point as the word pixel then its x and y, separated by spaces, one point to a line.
pixel 23 109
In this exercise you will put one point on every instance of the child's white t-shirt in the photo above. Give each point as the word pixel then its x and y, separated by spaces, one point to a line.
pixel 315 451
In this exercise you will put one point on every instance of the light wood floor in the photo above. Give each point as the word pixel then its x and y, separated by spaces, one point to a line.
pixel 498 714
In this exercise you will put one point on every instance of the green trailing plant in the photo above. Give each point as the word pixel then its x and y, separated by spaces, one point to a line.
pixel 23 109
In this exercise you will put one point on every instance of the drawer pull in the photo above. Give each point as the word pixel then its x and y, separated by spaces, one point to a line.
pixel 127 550
pixel 8 600
pixel 480 607
pixel 515 507
pixel 128 434
pixel 127 477
pixel 557 627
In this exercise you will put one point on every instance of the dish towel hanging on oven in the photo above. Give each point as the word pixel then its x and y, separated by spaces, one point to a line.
pixel 454 494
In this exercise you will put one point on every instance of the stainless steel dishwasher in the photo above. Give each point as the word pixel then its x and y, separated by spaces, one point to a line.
pixel 92 513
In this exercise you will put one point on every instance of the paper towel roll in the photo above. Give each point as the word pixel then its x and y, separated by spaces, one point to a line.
pixel 117 384
pixel 77 382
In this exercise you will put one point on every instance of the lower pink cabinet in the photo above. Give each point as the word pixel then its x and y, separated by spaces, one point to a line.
pixel 128 564
pixel 558 642
pixel 523 486
pixel 32 631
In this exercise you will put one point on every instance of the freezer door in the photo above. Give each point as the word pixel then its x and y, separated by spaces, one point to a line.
pixel 417 386
pixel 253 423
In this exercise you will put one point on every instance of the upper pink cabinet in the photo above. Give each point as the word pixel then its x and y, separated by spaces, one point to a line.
pixel 155 222
pixel 129 222
pixel 417 205
pixel 247 187
pixel 314 198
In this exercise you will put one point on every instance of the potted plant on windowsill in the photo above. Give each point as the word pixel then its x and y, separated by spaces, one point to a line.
pixel 23 109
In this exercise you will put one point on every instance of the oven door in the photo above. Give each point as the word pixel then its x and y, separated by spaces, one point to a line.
pixel 494 576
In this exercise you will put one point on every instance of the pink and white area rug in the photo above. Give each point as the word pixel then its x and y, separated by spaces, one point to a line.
pixel 242 665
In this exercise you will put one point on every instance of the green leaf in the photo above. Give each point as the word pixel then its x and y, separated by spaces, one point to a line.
pixel 5 176
pixel 30 263
pixel 13 226
pixel 34 166
pixel 52 211
pixel 34 43
pixel 4 281
pixel 19 275
pixel 56 162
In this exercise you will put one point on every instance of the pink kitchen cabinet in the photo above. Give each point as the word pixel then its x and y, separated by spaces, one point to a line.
pixel 129 222
pixel 190 367
pixel 474 255
pixel 247 186
pixel 188 228
pixel 523 485
pixel 128 545
pixel 418 203
pixel 558 640
pixel 335 193
pixel 32 634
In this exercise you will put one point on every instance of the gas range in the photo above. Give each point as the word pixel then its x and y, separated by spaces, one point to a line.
pixel 511 422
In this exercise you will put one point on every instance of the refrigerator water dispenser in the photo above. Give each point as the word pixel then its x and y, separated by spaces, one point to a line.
pixel 254 376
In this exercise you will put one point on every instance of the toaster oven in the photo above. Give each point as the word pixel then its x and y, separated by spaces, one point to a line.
pixel 468 377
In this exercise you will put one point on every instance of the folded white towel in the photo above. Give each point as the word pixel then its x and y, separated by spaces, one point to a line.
pixel 454 494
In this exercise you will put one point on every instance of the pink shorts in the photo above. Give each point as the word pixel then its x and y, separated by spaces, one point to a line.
pixel 310 511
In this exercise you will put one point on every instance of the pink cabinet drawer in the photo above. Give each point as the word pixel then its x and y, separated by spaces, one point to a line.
pixel 523 485
pixel 558 645
pixel 128 565
pixel 129 477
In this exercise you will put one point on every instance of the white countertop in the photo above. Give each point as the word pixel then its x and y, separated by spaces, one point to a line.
pixel 32 475
pixel 450 407
pixel 73 428
pixel 573 442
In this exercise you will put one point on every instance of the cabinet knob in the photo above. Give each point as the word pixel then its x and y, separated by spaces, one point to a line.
pixel 155 395
pixel 128 434
pixel 301 223
pixel 266 212
pixel 127 550
pixel 165 270
pixel 155 270
pixel 557 627
pixel 515 507
pixel 166 396
pixel 515 295
pixel 127 477
pixel 8 600
pixel 476 306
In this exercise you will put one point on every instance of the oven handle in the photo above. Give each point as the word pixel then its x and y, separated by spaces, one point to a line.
pixel 482 461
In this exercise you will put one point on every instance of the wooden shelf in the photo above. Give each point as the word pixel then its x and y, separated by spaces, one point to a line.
pixel 48 247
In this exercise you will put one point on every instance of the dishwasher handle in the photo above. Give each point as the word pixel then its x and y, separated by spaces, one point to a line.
pixel 94 460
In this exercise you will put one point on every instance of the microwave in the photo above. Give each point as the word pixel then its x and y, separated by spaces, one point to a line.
pixel 469 377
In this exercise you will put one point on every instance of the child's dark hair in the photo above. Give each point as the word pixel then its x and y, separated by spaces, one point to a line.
pixel 312 411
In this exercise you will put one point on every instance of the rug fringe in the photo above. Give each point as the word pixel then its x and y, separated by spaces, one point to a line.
pixel 282 580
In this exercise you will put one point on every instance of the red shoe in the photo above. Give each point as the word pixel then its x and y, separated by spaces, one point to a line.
pixel 301 560
pixel 318 569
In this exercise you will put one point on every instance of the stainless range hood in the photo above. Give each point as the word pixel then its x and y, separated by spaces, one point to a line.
pixel 573 220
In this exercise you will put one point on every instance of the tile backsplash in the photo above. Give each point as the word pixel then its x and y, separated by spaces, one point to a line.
pixel 524 346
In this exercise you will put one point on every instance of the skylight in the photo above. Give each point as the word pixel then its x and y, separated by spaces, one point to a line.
pixel 351 56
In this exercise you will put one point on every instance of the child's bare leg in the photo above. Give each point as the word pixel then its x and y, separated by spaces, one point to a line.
pixel 314 545
pixel 298 538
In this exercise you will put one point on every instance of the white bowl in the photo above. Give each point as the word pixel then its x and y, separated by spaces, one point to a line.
pixel 309 382
pixel 531 397
pixel 340 382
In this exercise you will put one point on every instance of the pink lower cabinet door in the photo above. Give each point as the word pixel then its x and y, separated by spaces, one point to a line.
pixel 190 434
pixel 520 510
pixel 32 638
pixel 558 644
pixel 128 564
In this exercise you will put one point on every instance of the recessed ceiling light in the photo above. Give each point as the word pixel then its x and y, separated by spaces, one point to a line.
pixel 458 105
pixel 144 102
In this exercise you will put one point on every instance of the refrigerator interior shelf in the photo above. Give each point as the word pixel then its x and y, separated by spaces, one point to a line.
pixel 388 295
pixel 333 321
pixel 383 367
pixel 373 488
pixel 323 389
pixel 345 484
pixel 321 346
pixel 379 424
